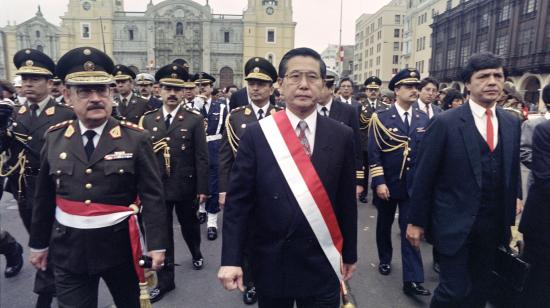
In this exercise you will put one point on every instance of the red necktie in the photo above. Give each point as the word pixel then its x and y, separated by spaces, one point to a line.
pixel 490 132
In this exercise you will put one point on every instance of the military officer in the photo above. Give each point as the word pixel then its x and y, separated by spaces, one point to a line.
pixel 394 136
pixel 25 139
pixel 129 106
pixel 371 104
pixel 214 112
pixel 260 76
pixel 56 90
pixel 96 175
pixel 190 91
pixel 145 83
pixel 179 141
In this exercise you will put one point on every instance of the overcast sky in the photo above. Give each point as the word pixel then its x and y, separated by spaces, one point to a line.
pixel 317 20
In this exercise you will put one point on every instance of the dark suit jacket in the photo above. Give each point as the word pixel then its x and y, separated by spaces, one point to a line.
pixel 536 216
pixel 447 189
pixel 286 257
pixel 436 109
pixel 355 103
pixel 348 115
pixel 154 103
pixel 188 152
pixel 238 99
pixel 135 108
pixel 33 131
pixel 117 182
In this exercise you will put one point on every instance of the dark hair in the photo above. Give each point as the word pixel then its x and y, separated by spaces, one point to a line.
pixel 276 93
pixel 481 61
pixel 424 82
pixel 546 94
pixel 229 87
pixel 215 91
pixel 329 84
pixel 303 52
pixel 346 79
pixel 452 94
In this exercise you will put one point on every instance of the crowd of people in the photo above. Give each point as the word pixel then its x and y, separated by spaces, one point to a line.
pixel 99 158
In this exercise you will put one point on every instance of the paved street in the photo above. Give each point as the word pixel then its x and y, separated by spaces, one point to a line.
pixel 201 288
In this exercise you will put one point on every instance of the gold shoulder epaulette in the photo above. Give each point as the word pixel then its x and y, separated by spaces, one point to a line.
pixel 192 110
pixel 131 125
pixel 59 125
pixel 150 111
pixel 64 105
pixel 238 109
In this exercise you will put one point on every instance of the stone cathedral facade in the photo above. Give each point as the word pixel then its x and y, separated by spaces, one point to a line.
pixel 170 29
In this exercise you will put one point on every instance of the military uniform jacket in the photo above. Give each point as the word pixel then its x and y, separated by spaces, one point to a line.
pixel 133 110
pixel 235 125
pixel 121 168
pixel 365 115
pixel 215 117
pixel 32 133
pixel 388 141
pixel 186 142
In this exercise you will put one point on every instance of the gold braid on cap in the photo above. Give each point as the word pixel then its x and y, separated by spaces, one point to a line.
pixel 259 76
pixel 35 70
pixel 232 137
pixel 162 145
pixel 395 142
pixel 172 82
pixel 88 77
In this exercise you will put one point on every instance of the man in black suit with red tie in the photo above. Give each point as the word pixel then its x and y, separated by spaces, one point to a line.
pixel 291 263
pixel 478 145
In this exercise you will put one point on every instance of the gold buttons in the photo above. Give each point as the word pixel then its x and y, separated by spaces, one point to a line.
pixel 58 171
pixel 121 171
pixel 167 138
pixel 29 138
pixel 88 185
pixel 88 171
pixel 63 155
pixel 408 159
pixel 88 202
pixel 155 129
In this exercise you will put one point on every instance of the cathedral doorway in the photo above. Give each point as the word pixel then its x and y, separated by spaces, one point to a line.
pixel 226 77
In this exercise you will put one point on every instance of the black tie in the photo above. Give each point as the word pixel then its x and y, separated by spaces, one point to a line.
pixel 260 114
pixel 167 121
pixel 34 110
pixel 325 111
pixel 407 123
pixel 124 102
pixel 89 147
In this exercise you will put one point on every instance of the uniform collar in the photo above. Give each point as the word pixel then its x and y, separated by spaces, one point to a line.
pixel 402 111
pixel 98 130
pixel 41 104
pixel 165 112
pixel 255 108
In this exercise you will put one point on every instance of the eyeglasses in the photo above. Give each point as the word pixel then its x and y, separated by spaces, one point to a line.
pixel 86 92
pixel 297 77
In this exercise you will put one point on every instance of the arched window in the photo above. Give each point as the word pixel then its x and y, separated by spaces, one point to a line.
pixel 179 28
pixel 37 33
pixel 226 77
pixel 40 48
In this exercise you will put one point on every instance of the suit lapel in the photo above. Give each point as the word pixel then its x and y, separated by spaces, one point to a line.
pixel 179 117
pixel 505 135
pixel 398 121
pixel 44 118
pixel 469 131
pixel 415 121
pixel 105 144
pixel 335 111
pixel 76 146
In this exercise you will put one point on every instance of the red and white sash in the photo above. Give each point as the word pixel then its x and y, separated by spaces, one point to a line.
pixel 79 215
pixel 305 184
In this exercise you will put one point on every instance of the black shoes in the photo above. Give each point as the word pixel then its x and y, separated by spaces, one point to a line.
pixel 156 294
pixel 384 269
pixel 198 263
pixel 413 288
pixel 212 233
pixel 201 216
pixel 14 261
pixel 250 297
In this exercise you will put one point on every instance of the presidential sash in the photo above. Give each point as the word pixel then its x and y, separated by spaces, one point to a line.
pixel 306 186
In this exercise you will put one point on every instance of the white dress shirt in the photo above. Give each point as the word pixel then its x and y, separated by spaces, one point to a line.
pixel 255 108
pixel 343 100
pixel 480 119
pixel 425 107
pixel 41 105
pixel 173 113
pixel 207 104
pixel 372 104
pixel 311 121
pixel 98 131
pixel 127 98
pixel 401 113
pixel 327 105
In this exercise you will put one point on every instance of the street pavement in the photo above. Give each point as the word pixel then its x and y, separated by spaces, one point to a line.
pixel 201 288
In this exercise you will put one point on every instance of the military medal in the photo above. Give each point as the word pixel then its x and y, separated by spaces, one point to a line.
pixel 118 155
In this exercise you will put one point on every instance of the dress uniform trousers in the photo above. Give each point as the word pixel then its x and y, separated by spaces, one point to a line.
pixel 410 257
pixel 190 229
pixel 212 204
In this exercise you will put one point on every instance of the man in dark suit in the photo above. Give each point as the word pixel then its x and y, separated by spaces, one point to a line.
pixel 129 106
pixel 394 138
pixel 345 114
pixel 25 140
pixel 260 76
pixel 427 97
pixel 95 174
pixel 179 142
pixel 144 82
pixel 287 258
pixel 476 144
pixel 346 92
pixel 238 99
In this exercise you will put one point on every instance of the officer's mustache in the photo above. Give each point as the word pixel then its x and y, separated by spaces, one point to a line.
pixel 96 106
pixel 173 97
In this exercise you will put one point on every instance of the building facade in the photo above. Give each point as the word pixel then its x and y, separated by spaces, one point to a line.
pixel 517 30
pixel 379 42
pixel 216 43
pixel 334 61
